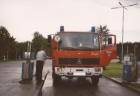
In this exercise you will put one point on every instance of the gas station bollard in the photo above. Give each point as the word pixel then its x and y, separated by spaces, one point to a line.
pixel 130 68
pixel 27 66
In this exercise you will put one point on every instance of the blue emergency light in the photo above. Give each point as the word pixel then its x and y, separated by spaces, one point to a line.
pixel 93 28
pixel 61 28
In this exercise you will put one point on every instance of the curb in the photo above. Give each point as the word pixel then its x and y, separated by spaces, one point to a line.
pixel 122 84
pixel 37 93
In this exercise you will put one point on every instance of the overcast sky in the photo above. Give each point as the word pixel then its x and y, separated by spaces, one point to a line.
pixel 23 17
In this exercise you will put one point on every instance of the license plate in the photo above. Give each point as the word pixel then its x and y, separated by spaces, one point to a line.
pixel 79 74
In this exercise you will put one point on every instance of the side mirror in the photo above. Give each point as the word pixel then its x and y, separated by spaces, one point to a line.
pixel 49 40
pixel 109 41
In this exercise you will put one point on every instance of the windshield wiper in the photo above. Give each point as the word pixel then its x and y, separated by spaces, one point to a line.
pixel 67 48
pixel 80 48
pixel 87 48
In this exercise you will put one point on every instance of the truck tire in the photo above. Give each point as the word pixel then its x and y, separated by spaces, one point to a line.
pixel 56 78
pixel 95 80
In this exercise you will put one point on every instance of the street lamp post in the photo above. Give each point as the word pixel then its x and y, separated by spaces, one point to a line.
pixel 123 8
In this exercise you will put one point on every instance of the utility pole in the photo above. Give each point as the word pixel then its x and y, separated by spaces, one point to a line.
pixel 123 9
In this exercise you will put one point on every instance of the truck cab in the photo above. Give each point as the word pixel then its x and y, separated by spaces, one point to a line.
pixel 81 54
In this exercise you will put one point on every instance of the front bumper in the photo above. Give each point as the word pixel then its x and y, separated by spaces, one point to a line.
pixel 79 71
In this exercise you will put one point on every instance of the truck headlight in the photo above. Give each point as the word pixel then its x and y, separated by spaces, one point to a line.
pixel 57 69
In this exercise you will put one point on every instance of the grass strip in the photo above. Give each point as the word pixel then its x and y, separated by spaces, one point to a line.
pixel 115 70
pixel 135 85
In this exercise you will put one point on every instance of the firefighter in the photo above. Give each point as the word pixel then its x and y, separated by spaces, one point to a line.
pixel 40 60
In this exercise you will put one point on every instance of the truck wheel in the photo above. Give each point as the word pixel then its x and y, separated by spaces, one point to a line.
pixel 95 80
pixel 56 79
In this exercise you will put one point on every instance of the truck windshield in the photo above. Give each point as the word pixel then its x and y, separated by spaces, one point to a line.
pixel 79 41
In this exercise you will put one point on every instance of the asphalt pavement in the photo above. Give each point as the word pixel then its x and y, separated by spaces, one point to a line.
pixel 10 75
pixel 77 87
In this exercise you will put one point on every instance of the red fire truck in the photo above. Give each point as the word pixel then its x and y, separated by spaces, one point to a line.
pixel 81 54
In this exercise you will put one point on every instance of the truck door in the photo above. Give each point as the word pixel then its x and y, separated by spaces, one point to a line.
pixel 108 49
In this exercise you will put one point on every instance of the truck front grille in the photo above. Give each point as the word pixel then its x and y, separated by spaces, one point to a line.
pixel 82 61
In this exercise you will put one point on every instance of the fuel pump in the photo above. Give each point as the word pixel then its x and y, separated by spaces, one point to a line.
pixel 27 65
pixel 130 67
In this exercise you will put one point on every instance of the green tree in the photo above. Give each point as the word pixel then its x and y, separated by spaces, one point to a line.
pixel 20 48
pixel 6 43
pixel 38 42
pixel 129 48
pixel 102 30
